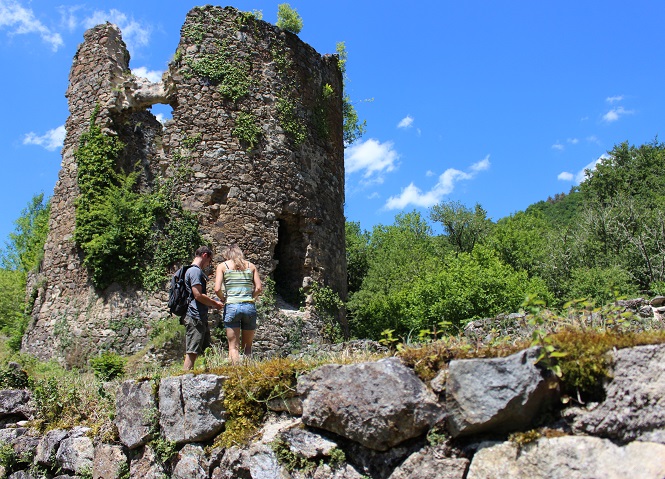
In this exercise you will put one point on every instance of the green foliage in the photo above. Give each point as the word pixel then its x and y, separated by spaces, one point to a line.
pixel 353 128
pixel 164 449
pixel 8 457
pixel 122 230
pixel 232 75
pixel 464 228
pixel 290 121
pixel 562 210
pixel 13 378
pixel 25 248
pixel 246 129
pixel 108 366
pixel 328 305
pixel 357 255
pixel 12 302
pixel 290 460
pixel 288 18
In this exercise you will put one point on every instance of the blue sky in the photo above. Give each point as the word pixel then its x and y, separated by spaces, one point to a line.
pixel 497 103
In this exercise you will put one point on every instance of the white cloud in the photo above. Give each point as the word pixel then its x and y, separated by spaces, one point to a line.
pixel 581 175
pixel 573 141
pixel 412 195
pixel 134 34
pixel 593 139
pixel 51 140
pixel 372 158
pixel 429 173
pixel 155 76
pixel 557 146
pixel 614 99
pixel 23 21
pixel 405 122
pixel 615 113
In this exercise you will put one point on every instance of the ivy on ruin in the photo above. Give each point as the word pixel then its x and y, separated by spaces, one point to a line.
pixel 126 236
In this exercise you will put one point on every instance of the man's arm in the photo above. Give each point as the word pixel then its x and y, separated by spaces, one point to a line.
pixel 197 292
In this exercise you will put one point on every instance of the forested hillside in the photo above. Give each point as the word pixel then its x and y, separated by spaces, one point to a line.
pixel 602 240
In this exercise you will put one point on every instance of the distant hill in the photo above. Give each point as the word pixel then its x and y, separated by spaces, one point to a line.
pixel 560 210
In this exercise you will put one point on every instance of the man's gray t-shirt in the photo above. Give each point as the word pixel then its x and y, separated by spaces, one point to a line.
pixel 194 276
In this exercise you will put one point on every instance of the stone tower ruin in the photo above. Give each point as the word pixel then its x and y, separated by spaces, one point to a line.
pixel 264 168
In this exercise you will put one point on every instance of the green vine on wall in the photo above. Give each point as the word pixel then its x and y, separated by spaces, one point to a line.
pixel 247 130
pixel 127 237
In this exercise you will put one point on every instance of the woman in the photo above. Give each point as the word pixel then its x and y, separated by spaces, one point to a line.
pixel 242 286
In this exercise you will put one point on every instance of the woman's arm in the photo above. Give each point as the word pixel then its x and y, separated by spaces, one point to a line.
pixel 219 279
pixel 258 286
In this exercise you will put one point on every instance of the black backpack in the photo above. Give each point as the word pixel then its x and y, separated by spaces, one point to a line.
pixel 179 298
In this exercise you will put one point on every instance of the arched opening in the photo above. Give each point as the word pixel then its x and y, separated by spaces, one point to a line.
pixel 289 257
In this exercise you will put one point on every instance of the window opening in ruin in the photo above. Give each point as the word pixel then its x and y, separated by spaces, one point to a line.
pixel 162 112
pixel 290 258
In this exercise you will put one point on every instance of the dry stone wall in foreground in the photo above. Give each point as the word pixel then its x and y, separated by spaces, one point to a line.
pixel 373 420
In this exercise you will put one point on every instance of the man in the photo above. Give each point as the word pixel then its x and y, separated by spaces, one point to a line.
pixel 197 331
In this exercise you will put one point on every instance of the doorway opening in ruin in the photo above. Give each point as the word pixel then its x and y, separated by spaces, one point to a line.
pixel 289 256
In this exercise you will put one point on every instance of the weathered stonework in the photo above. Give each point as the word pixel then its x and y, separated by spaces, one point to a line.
pixel 280 199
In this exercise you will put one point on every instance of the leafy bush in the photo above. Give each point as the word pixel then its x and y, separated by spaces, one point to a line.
pixel 288 18
pixel 108 366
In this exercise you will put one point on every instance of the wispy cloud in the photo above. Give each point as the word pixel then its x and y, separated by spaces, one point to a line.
pixel 614 99
pixel 134 34
pixel 412 195
pixel 405 122
pixel 51 140
pixel 581 175
pixel 558 146
pixel 573 141
pixel 615 113
pixel 22 21
pixel 371 158
pixel 154 76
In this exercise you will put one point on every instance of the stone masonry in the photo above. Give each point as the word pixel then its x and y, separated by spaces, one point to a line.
pixel 280 197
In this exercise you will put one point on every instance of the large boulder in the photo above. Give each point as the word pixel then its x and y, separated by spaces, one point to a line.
pixel 136 413
pixel 634 406
pixel 497 394
pixel 192 463
pixel 144 464
pixel 48 447
pixel 569 457
pixel 191 408
pixel 377 404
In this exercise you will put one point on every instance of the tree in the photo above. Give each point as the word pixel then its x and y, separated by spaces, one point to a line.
pixel 464 227
pixel 288 18
pixel 25 248
pixel 352 128
pixel 357 255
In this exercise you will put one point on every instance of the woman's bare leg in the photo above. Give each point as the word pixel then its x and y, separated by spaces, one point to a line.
pixel 233 335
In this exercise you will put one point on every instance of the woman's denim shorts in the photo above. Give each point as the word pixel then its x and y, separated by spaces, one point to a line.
pixel 240 315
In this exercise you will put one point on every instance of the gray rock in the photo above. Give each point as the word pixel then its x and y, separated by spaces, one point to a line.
pixel 498 394
pixel 569 457
pixel 48 447
pixel 263 463
pixel 234 464
pixel 21 475
pixel 25 446
pixel 377 404
pixel 431 463
pixel 75 454
pixel 10 434
pixel 657 301
pixel 16 402
pixel 307 444
pixel 379 464
pixel 136 412
pixel 191 407
pixel 292 405
pixel 144 465
pixel 191 464
pixel 634 406
pixel 108 461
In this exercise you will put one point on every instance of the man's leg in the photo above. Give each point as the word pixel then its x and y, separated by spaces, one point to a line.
pixel 190 359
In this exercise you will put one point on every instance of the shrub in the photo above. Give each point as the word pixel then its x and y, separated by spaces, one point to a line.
pixel 108 366
pixel 288 18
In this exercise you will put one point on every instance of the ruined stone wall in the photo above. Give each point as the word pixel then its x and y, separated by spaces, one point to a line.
pixel 278 194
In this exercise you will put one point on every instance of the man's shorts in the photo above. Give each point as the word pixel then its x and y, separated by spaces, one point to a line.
pixel 240 315
pixel 197 335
